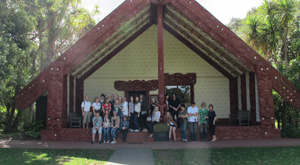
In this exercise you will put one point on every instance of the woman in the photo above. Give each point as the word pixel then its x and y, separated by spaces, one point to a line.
pixel 143 114
pixel 106 128
pixel 115 123
pixel 167 98
pixel 183 115
pixel 137 110
pixel 124 128
pixel 131 114
pixel 212 117
pixel 152 105
pixel 106 106
pixel 154 120
pixel 120 100
pixel 96 107
pixel 172 124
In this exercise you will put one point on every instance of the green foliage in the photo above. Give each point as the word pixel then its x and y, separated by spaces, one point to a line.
pixel 290 131
pixel 230 156
pixel 54 156
pixel 33 129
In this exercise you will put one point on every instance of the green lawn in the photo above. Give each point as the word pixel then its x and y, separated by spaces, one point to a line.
pixel 230 156
pixel 54 156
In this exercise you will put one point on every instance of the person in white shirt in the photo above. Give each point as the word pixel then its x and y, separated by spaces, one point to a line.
pixel 154 120
pixel 137 110
pixel 193 120
pixel 125 107
pixel 96 106
pixel 86 114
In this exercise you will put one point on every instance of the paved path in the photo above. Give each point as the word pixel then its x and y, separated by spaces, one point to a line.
pixel 126 155
pixel 155 145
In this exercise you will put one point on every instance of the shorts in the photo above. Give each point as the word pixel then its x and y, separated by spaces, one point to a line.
pixel 172 125
pixel 95 131
pixel 87 117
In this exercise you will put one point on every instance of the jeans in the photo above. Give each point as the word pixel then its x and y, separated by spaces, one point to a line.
pixel 193 130
pixel 121 119
pixel 203 130
pixel 106 133
pixel 143 121
pixel 136 120
pixel 124 134
pixel 150 126
pixel 113 132
pixel 183 130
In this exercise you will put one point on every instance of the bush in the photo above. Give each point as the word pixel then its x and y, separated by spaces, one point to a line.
pixel 290 131
pixel 33 129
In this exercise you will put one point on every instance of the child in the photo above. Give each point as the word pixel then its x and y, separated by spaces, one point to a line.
pixel 203 113
pixel 97 123
pixel 183 122
pixel 124 127
pixel 170 122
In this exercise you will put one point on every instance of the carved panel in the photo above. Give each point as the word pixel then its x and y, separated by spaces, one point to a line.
pixel 32 91
pixel 55 95
pixel 180 79
pixel 285 88
pixel 136 85
pixel 160 2
pixel 264 85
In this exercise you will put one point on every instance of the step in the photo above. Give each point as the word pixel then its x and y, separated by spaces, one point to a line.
pixel 134 134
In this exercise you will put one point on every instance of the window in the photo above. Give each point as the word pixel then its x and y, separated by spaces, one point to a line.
pixel 183 92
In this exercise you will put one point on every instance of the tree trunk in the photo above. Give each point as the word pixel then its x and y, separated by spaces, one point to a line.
pixel 9 120
pixel 285 49
pixel 283 115
pixel 15 126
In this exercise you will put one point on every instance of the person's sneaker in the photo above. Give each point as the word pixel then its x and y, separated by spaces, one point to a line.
pixel 136 130
pixel 112 142
pixel 93 141
pixel 131 130
pixel 185 140
pixel 100 142
pixel 108 142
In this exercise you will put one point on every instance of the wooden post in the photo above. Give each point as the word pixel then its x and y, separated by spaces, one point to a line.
pixel 160 44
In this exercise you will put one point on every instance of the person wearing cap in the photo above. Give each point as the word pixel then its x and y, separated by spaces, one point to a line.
pixel 174 106
pixel 193 121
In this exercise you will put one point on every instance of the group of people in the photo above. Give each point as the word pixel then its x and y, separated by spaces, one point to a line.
pixel 114 114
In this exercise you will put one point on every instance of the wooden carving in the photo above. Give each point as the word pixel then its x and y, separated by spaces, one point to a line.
pixel 160 2
pixel 136 85
pixel 55 96
pixel 180 79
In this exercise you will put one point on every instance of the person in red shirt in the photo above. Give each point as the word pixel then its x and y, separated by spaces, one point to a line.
pixel 106 106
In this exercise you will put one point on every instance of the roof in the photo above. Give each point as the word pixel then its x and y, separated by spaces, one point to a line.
pixel 187 20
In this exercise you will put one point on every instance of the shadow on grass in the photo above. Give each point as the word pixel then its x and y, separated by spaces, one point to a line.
pixel 54 156
pixel 230 156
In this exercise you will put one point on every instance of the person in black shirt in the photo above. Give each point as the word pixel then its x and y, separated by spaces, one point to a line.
pixel 174 106
pixel 212 117
pixel 143 118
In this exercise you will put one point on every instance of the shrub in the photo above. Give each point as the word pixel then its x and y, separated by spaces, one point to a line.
pixel 33 129
pixel 290 131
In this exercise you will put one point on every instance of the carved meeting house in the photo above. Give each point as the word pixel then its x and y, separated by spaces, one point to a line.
pixel 149 46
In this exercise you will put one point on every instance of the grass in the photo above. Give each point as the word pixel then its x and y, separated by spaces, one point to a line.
pixel 230 156
pixel 3 136
pixel 54 156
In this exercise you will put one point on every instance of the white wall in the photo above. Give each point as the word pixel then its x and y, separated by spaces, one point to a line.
pixel 138 61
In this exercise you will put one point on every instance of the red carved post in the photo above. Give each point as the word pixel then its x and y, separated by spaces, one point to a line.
pixel 160 44
pixel 55 95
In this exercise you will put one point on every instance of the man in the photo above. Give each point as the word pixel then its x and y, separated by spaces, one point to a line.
pixel 174 107
pixel 125 107
pixel 97 127
pixel 86 114
pixel 193 120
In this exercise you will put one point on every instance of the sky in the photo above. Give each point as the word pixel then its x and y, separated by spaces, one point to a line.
pixel 223 10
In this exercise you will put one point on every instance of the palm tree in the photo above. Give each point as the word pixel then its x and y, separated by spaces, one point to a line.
pixel 286 10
